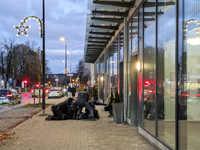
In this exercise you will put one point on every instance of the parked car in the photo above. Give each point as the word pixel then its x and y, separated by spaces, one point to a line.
pixel 47 89
pixel 37 90
pixel 16 94
pixel 55 92
pixel 65 90
pixel 9 97
pixel 16 88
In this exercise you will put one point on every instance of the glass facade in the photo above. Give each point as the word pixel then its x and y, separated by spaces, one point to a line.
pixel 112 67
pixel 96 73
pixel 102 80
pixel 166 74
pixel 133 48
pixel 168 79
pixel 121 44
pixel 149 62
pixel 189 74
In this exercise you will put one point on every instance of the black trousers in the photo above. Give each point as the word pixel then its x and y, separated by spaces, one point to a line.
pixel 87 106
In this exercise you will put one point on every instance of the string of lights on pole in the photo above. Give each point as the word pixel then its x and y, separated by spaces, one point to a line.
pixel 26 27
pixel 42 34
pixel 197 29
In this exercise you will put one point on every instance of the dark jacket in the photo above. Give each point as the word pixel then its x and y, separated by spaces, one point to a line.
pixel 64 105
pixel 82 98
pixel 73 90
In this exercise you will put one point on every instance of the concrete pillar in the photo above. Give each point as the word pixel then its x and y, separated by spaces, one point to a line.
pixel 125 60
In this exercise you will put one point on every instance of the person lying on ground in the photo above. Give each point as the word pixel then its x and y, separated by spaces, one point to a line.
pixel 64 110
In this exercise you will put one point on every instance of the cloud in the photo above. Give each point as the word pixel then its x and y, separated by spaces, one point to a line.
pixel 62 19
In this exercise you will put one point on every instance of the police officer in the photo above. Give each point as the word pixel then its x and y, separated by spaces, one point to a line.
pixel 83 102
pixel 62 111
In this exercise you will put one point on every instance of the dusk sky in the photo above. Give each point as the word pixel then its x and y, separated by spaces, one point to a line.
pixel 64 18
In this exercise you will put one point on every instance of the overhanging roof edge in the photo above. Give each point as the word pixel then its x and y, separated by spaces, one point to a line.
pixel 130 13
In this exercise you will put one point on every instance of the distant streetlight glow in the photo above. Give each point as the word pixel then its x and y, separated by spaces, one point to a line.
pixel 138 65
pixel 62 39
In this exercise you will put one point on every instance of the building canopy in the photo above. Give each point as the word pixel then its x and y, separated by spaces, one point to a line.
pixel 104 20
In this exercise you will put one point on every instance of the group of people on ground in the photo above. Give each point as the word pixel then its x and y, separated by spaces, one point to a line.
pixel 72 109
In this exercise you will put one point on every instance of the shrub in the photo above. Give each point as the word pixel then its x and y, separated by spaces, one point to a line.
pixel 95 93
pixel 117 98
pixel 80 89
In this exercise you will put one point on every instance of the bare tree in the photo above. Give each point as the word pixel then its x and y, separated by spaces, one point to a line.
pixel 20 61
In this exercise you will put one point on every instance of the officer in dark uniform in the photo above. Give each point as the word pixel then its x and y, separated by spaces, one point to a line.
pixel 82 101
pixel 63 110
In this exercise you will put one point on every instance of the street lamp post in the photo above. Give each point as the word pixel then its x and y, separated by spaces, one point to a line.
pixel 63 39
pixel 70 66
pixel 42 32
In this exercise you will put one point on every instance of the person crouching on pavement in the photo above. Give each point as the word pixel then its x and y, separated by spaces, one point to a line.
pixel 82 101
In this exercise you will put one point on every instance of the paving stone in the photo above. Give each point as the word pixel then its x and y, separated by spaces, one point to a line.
pixel 103 134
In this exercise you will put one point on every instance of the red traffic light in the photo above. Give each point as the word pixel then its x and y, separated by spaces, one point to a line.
pixel 25 81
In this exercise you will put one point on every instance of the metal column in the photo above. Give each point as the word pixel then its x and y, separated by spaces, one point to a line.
pixel 125 63
pixel 43 44
pixel 99 78
pixel 106 77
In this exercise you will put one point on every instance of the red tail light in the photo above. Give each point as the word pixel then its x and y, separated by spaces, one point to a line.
pixel 9 95
pixel 198 95
pixel 150 91
pixel 186 95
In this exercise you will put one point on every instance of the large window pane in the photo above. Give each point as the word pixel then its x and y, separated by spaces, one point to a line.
pixel 121 44
pixel 115 49
pixel 133 47
pixel 166 73
pixel 149 67
pixel 189 74
pixel 102 71
pixel 96 75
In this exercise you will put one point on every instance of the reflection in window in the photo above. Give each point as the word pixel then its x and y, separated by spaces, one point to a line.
pixel 102 71
pixel 189 77
pixel 96 75
pixel 113 66
pixel 133 47
pixel 121 42
pixel 166 74
pixel 149 67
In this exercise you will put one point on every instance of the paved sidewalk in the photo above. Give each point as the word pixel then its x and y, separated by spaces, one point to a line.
pixel 103 134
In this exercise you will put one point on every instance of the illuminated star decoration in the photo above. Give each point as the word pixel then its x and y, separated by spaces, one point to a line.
pixel 26 27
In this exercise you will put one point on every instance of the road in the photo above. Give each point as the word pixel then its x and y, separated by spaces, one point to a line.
pixel 26 98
